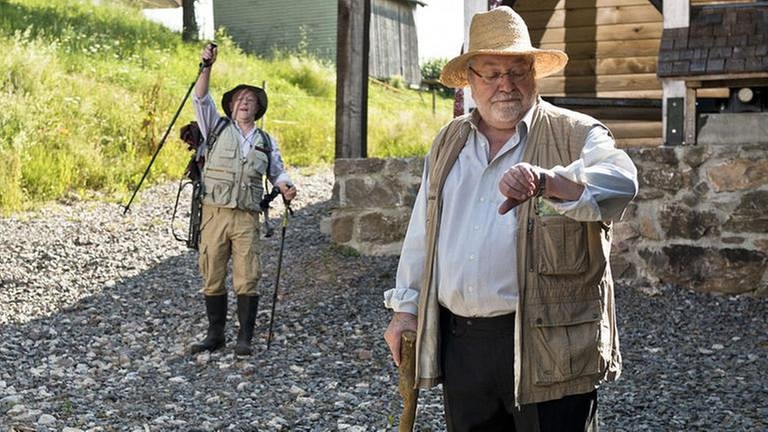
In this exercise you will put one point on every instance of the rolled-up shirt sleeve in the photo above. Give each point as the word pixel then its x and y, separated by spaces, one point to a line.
pixel 410 269
pixel 609 177
pixel 205 112
pixel 277 172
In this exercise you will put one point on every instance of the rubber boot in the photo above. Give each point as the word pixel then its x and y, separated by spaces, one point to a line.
pixel 247 307
pixel 216 308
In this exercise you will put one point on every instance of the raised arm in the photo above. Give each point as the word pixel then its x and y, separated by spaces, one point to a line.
pixel 207 58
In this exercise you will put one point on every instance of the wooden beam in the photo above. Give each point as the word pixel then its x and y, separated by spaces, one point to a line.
pixel 581 84
pixel 690 116
pixel 607 32
pixel 607 49
pixel 613 15
pixel 352 78
pixel 609 66
pixel 530 6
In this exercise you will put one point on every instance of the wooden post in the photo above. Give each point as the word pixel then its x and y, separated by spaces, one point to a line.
pixel 352 78
pixel 677 15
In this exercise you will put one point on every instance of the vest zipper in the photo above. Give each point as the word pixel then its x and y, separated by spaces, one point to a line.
pixel 530 245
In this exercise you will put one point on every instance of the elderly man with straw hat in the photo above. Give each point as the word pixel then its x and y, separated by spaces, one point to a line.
pixel 504 272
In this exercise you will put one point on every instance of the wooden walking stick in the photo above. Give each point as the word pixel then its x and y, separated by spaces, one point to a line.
pixel 407 384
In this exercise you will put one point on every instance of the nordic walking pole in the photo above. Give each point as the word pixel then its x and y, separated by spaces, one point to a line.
pixel 200 69
pixel 284 225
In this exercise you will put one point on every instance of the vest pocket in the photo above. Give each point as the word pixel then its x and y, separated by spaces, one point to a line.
pixel 563 246
pixel 565 341
pixel 218 187
pixel 255 191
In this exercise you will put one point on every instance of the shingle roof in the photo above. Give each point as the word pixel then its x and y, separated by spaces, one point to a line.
pixel 721 40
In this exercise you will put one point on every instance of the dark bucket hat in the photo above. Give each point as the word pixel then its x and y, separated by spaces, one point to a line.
pixel 261 97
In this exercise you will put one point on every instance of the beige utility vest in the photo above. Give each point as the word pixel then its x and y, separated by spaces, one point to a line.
pixel 230 179
pixel 566 340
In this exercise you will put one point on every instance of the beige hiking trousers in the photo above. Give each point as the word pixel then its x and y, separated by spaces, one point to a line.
pixel 226 233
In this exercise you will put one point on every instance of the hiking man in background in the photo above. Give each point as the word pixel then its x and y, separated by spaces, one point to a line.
pixel 237 159
pixel 504 271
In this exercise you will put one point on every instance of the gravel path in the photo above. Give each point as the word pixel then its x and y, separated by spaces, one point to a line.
pixel 97 311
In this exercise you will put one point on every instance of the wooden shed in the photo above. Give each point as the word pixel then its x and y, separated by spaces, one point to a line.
pixel 613 47
pixel 262 26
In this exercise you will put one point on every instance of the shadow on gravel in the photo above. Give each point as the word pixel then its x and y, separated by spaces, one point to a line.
pixel 118 360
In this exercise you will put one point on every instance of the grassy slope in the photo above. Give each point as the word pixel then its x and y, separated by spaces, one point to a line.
pixel 90 90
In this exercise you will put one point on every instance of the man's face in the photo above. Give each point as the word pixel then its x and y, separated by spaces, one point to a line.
pixel 503 87
pixel 244 105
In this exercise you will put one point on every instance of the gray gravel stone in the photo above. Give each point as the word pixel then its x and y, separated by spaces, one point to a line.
pixel 97 311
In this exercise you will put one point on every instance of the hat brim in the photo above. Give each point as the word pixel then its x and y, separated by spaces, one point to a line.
pixel 548 62
pixel 261 97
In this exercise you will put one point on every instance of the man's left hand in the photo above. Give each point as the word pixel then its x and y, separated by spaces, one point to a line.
pixel 287 190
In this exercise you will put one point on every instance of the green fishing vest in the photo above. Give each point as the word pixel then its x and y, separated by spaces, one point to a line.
pixel 232 180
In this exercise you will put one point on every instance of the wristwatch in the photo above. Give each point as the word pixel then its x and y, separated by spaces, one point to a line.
pixel 542 184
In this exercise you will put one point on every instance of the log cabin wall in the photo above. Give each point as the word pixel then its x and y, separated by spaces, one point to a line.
pixel 613 47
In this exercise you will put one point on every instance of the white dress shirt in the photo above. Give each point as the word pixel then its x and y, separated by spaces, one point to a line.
pixel 207 116
pixel 476 260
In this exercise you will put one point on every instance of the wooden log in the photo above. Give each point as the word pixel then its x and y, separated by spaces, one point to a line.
pixel 635 129
pixel 632 94
pixel 609 66
pixel 641 47
pixel 538 5
pixel 625 143
pixel 591 33
pixel 600 16
pixel 583 84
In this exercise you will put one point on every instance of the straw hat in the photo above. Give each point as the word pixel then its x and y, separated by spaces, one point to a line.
pixel 500 31
pixel 261 97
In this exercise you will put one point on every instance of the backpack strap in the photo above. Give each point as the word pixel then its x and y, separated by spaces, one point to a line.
pixel 214 133
pixel 267 149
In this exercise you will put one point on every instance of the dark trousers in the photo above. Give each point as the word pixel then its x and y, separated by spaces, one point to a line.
pixel 479 377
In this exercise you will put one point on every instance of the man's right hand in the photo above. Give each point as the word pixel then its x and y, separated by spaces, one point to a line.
pixel 400 322
pixel 208 56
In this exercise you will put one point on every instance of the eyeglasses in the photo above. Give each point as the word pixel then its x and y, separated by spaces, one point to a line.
pixel 514 76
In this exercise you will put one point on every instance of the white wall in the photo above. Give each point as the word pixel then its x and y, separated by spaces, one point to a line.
pixel 439 28
pixel 172 18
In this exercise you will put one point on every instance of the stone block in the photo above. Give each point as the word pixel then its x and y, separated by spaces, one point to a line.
pixel 733 128
pixel 622 268
pixel 707 269
pixel 737 175
pixel 354 166
pixel 648 228
pixel 658 155
pixel 696 155
pixel 682 222
pixel 662 178
pixel 382 228
pixel 411 167
pixel 342 228
pixel 368 193
pixel 751 215
pixel 623 232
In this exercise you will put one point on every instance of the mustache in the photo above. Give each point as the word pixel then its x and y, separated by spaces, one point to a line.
pixel 506 96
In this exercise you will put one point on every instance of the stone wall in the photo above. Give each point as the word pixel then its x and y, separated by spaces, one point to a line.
pixel 700 220
pixel 701 217
pixel 373 200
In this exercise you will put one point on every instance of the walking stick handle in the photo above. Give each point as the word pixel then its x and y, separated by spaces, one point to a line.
pixel 407 382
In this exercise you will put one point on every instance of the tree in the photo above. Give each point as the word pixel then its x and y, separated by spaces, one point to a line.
pixel 189 22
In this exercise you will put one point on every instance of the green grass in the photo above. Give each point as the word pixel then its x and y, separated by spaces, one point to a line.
pixel 89 92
